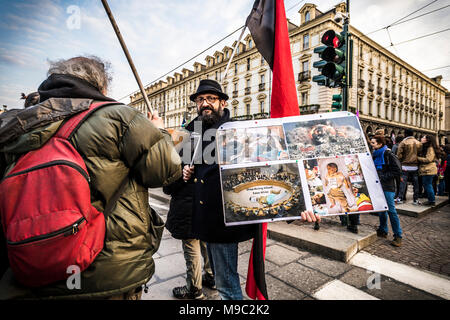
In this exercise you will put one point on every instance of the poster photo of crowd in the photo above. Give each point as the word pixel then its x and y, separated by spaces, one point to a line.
pixel 337 186
pixel 254 144
pixel 319 138
pixel 262 193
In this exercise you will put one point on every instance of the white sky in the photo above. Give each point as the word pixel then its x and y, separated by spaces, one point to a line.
pixel 161 35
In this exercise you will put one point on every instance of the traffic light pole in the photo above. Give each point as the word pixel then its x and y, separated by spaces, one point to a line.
pixel 345 93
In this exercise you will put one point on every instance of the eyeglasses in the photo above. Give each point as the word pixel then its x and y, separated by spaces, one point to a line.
pixel 209 99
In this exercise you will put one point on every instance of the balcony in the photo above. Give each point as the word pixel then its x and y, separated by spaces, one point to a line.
pixel 247 90
pixel 371 86
pixel 361 83
pixel 235 94
pixel 304 76
pixel 309 109
pixel 262 86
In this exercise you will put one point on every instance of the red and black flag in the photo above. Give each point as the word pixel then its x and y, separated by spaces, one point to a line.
pixel 268 26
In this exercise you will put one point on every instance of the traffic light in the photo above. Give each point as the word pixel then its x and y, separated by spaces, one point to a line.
pixel 332 67
pixel 336 105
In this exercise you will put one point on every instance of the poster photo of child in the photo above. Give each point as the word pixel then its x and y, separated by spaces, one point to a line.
pixel 336 185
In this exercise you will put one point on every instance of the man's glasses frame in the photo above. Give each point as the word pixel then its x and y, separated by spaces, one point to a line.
pixel 209 99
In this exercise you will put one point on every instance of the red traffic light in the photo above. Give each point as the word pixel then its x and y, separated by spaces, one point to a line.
pixel 331 38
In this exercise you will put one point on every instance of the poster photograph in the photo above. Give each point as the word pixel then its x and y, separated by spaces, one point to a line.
pixel 262 193
pixel 274 169
pixel 337 185
pixel 257 144
pixel 321 138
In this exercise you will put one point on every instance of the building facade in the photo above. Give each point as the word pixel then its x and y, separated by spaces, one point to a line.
pixel 386 92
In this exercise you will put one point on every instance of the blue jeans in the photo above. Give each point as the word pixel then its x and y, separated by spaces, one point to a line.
pixel 414 176
pixel 224 260
pixel 393 216
pixel 427 182
pixel 441 187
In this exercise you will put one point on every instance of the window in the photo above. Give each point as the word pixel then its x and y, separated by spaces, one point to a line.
pixel 235 87
pixel 261 106
pixel 304 98
pixel 250 43
pixel 360 105
pixel 217 75
pixel 247 107
pixel 307 16
pixel 235 112
pixel 370 108
pixel 248 83
pixel 235 68
pixel 305 66
pixel 262 78
pixel 227 54
pixel 305 41
pixel 262 61
pixel 225 89
pixel 248 64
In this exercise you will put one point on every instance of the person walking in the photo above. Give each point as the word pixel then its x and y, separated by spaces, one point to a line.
pixel 124 154
pixel 427 167
pixel 442 166
pixel 407 154
pixel 208 217
pixel 387 169
pixel 398 180
pixel 179 224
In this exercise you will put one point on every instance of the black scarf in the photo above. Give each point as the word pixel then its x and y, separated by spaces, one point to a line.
pixel 68 86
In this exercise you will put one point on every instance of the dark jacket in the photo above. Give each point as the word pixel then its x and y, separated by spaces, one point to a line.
pixel 179 217
pixel 117 143
pixel 389 172
pixel 208 217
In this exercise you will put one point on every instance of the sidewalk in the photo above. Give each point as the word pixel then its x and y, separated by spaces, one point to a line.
pixel 426 239
pixel 296 273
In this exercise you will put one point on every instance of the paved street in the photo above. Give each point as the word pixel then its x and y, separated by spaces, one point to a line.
pixel 378 272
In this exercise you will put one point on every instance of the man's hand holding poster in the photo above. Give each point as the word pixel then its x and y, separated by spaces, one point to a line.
pixel 274 169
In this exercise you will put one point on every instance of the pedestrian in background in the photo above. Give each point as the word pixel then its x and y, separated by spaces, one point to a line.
pixel 407 154
pixel 30 99
pixel 387 168
pixel 427 166
pixel 447 170
pixel 179 224
pixel 442 166
pixel 398 180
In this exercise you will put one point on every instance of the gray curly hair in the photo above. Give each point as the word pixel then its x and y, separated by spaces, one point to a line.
pixel 90 68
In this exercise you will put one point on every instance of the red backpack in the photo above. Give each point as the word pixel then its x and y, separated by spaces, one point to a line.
pixel 46 212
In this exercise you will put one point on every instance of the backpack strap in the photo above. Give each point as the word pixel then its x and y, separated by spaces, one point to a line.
pixel 69 127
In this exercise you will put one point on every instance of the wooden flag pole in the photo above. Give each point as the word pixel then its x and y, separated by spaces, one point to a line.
pixel 127 54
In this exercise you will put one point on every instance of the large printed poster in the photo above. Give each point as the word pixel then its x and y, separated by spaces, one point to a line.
pixel 274 169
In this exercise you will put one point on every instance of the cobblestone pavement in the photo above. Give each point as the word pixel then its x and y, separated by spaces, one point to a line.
pixel 426 241
pixel 293 274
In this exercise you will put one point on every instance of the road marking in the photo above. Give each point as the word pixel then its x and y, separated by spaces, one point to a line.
pixel 423 280
pixel 338 290
pixel 158 206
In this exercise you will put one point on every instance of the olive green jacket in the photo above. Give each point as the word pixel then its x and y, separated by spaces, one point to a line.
pixel 117 144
